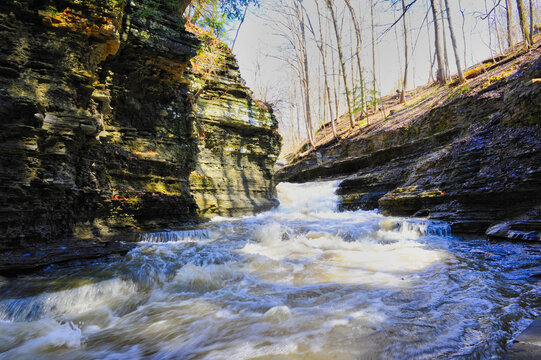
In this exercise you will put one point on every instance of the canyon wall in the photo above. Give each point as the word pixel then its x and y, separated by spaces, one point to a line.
pixel 109 126
pixel 237 137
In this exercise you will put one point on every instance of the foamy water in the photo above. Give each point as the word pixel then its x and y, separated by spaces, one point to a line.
pixel 301 282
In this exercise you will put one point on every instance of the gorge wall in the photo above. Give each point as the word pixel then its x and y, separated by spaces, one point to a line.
pixel 109 126
pixel 238 141
pixel 472 159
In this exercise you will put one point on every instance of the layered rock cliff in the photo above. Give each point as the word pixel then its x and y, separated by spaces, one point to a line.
pixel 107 128
pixel 237 137
pixel 470 155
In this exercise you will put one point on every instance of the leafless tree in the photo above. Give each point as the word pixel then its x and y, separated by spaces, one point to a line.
pixel 440 77
pixel 509 14
pixel 531 23
pixel 322 50
pixel 342 62
pixel 444 36
pixel 374 87
pixel 453 41
pixel 464 32
pixel 306 78
pixel 358 52
pixel 523 23
pixel 406 62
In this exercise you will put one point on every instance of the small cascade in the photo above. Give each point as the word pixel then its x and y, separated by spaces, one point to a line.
pixel 415 228
pixel 318 198
pixel 194 235
pixel 67 300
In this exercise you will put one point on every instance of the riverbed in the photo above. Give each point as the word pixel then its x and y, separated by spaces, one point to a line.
pixel 303 281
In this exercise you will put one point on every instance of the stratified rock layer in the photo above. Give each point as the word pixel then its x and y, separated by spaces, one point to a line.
pixel 473 161
pixel 237 137
pixel 98 118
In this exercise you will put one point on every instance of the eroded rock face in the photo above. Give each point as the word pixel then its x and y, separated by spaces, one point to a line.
pixel 237 138
pixel 98 119
pixel 473 162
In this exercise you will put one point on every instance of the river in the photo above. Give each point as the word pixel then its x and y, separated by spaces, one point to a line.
pixel 300 282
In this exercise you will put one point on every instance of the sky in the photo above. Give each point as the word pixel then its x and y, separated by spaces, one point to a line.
pixel 259 44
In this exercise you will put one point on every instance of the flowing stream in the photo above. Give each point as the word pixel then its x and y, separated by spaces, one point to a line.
pixel 301 282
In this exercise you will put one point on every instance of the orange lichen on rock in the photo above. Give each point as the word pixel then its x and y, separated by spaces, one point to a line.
pixel 111 48
pixel 97 27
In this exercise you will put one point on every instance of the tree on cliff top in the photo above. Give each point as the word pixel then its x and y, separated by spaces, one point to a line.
pixel 214 15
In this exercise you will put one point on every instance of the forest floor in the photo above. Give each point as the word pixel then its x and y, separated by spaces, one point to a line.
pixel 391 114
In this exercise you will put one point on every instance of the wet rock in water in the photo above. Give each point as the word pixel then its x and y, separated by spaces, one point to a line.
pixel 32 258
pixel 536 276
pixel 518 230
pixel 528 344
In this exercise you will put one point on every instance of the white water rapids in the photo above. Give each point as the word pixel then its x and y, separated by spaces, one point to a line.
pixel 301 282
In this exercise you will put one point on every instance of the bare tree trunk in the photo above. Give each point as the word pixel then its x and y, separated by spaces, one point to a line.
pixel 302 99
pixel 509 13
pixel 292 94
pixel 298 117
pixel 352 73
pixel 400 72
pixel 321 47
pixel 329 99
pixel 453 41
pixel 335 80
pixel 296 133
pixel 445 52
pixel 358 49
pixel 523 21
pixel 238 28
pixel 531 22
pixel 464 32
pixel 405 79
pixel 440 78
pixel 430 53
pixel 489 31
pixel 498 35
pixel 342 63
pixel 413 65
pixel 321 102
pixel 300 14
pixel 433 61
pixel 374 87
